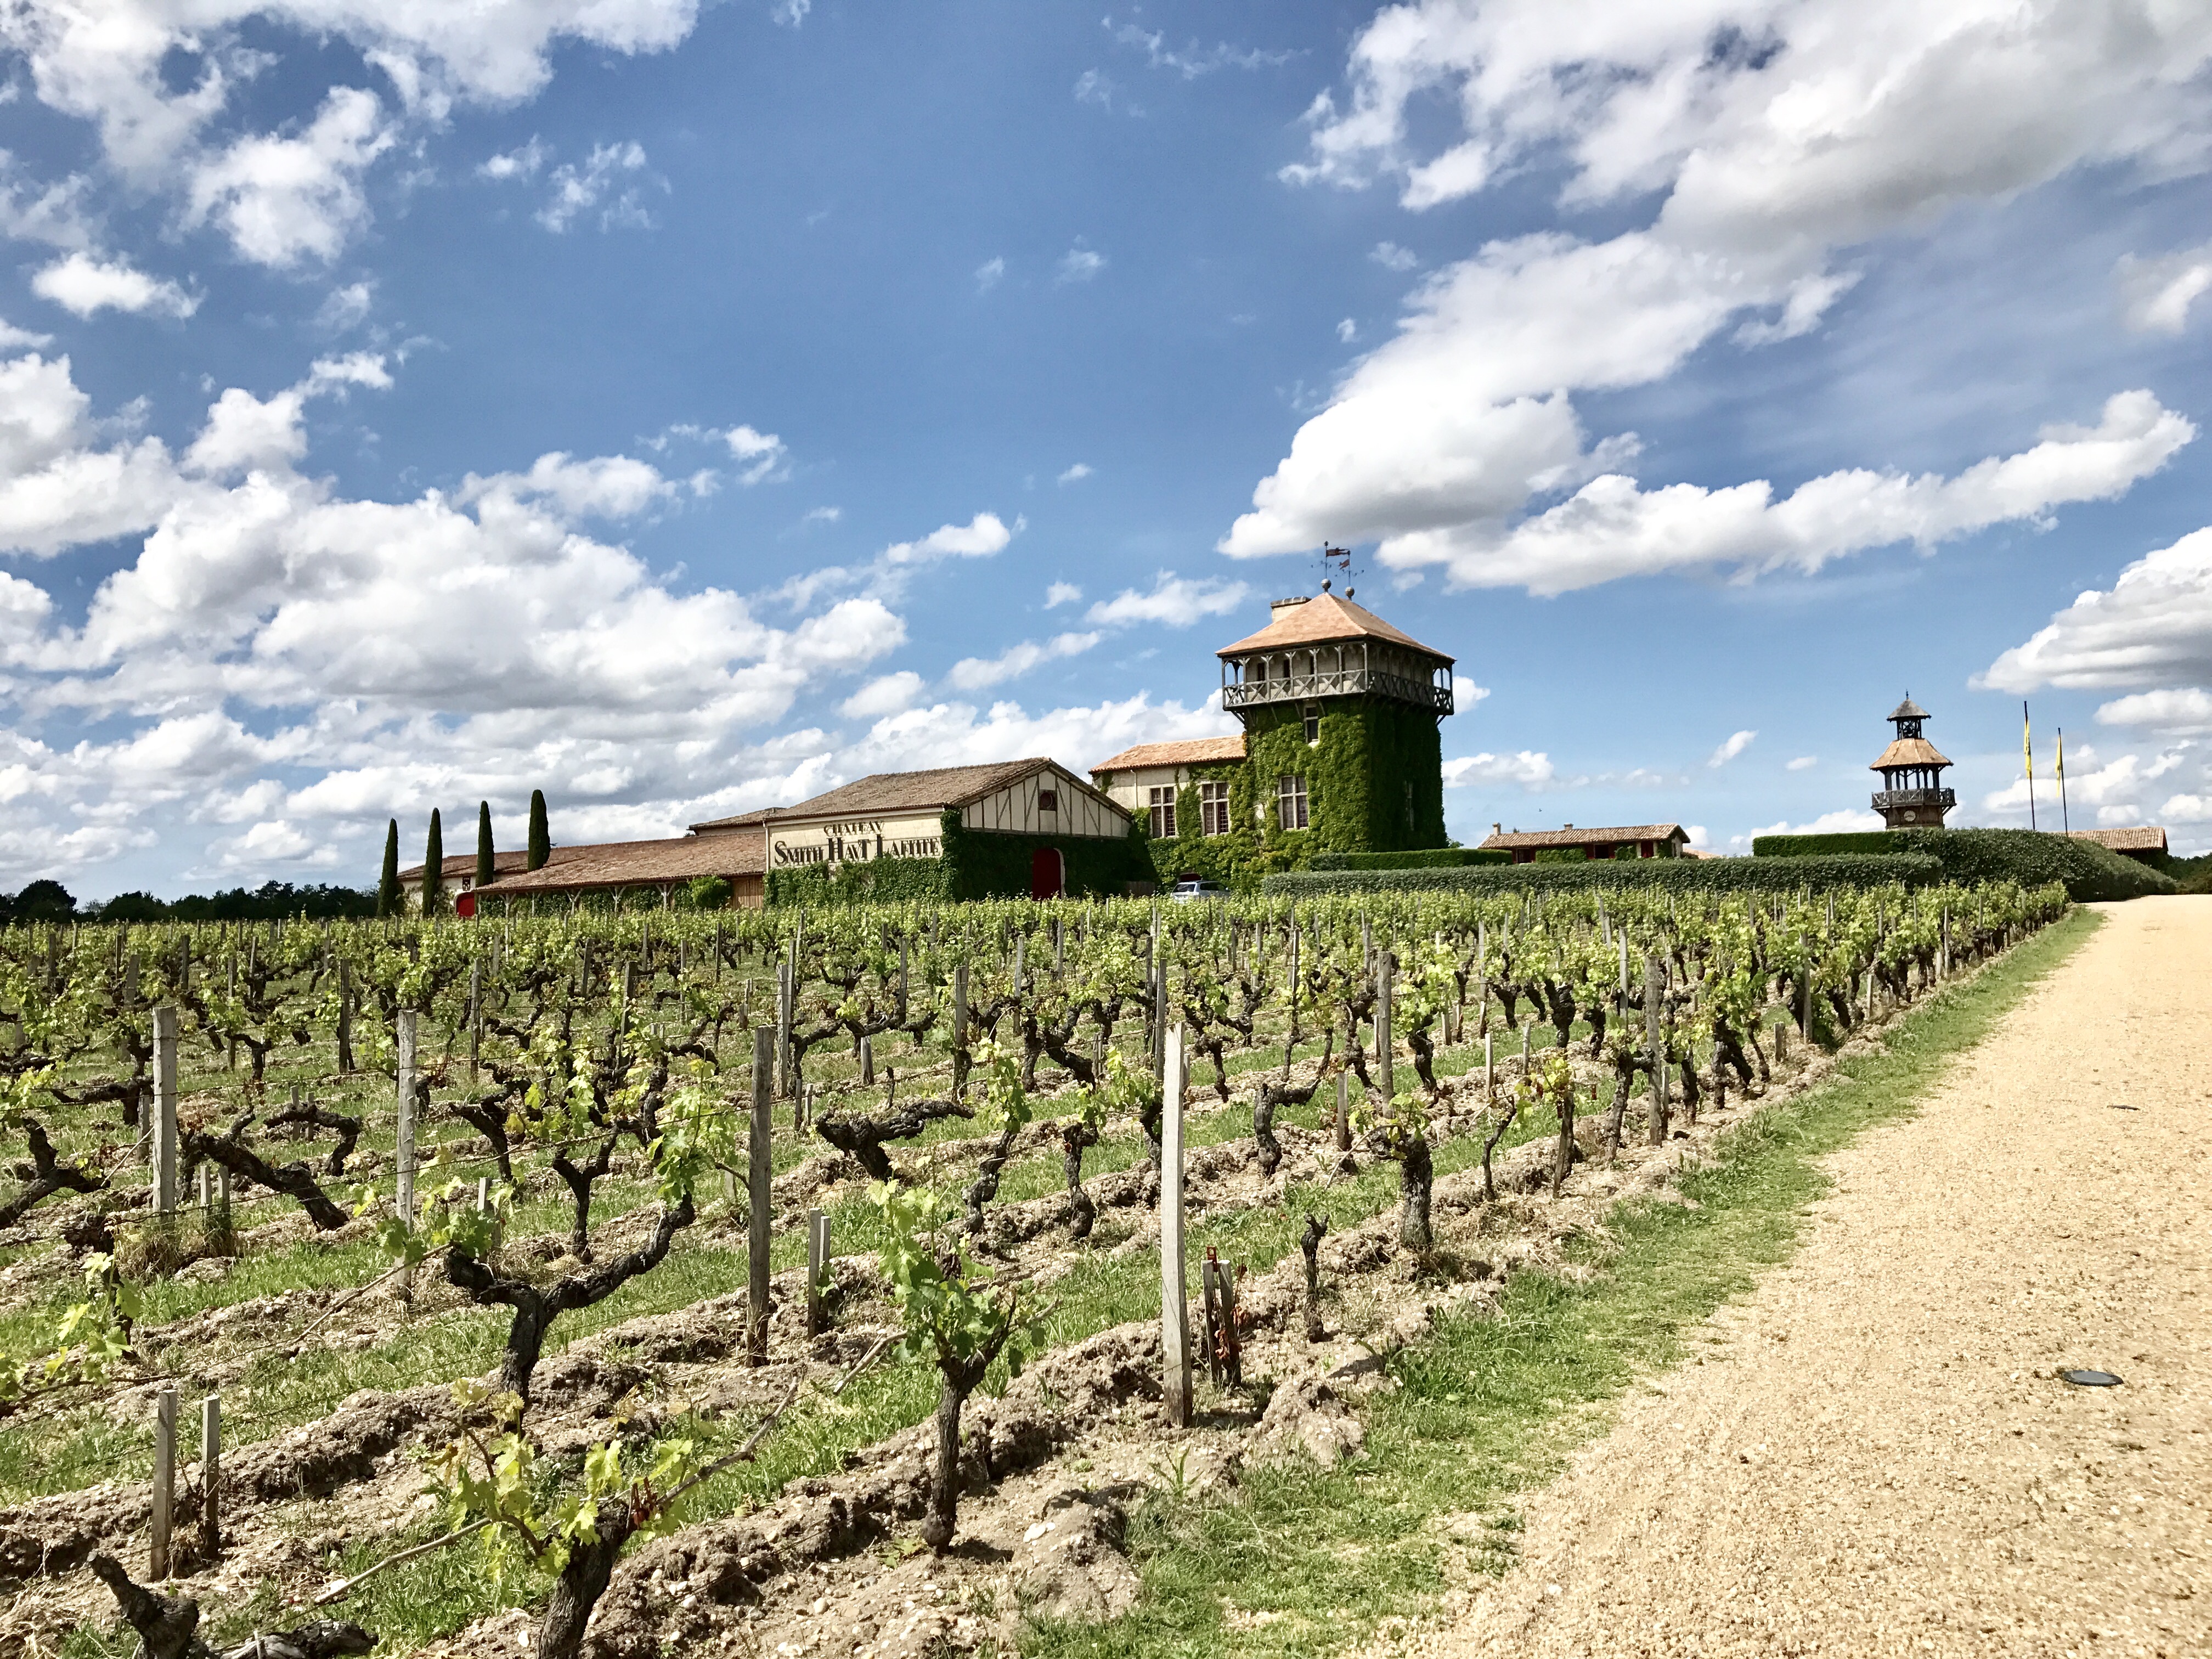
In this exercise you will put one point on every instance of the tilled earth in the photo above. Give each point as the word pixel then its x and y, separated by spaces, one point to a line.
pixel 1876 1452
pixel 1053 1468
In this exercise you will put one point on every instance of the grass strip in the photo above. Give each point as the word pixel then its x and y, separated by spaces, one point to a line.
pixel 1304 1561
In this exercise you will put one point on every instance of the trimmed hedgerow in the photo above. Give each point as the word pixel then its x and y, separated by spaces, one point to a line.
pixel 1680 875
pixel 2030 857
pixel 1429 857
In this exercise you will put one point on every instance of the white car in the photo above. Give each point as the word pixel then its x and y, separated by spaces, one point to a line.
pixel 1184 891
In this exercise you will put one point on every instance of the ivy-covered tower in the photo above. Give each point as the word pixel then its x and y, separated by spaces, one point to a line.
pixel 1341 712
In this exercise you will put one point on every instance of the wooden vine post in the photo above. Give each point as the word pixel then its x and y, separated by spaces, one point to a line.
pixel 818 1267
pixel 1175 1307
pixel 1386 967
pixel 165 1482
pixel 162 1149
pixel 758 1200
pixel 1651 995
pixel 211 1477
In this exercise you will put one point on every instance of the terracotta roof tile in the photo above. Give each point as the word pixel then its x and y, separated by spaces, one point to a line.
pixel 456 864
pixel 2139 838
pixel 1516 840
pixel 641 862
pixel 1191 751
pixel 1324 618
pixel 915 792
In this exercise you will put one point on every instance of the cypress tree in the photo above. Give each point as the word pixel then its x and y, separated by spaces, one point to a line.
pixel 434 868
pixel 387 884
pixel 483 844
pixel 541 838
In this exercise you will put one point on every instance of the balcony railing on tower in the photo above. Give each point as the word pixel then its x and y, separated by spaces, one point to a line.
pixel 1357 669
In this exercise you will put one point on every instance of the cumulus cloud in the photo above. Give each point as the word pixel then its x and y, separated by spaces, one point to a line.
pixel 284 200
pixel 2156 294
pixel 1391 256
pixel 610 183
pixel 1612 527
pixel 888 694
pixel 1466 692
pixel 955 734
pixel 1734 745
pixel 977 673
pixel 2152 628
pixel 1529 769
pixel 509 646
pixel 1078 264
pixel 979 538
pixel 1081 470
pixel 1177 601
pixel 1845 820
pixel 2186 709
pixel 523 163
pixel 1061 593
pixel 989 274
pixel 1803 764
pixel 83 284
pixel 1774 135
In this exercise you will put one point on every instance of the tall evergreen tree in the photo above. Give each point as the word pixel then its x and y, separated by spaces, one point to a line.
pixel 541 838
pixel 434 868
pixel 387 884
pixel 483 844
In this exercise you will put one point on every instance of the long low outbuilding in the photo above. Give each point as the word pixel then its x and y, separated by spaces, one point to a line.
pixel 1009 828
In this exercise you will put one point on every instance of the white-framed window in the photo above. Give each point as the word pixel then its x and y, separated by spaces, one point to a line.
pixel 1163 804
pixel 1313 722
pixel 1291 801
pixel 1214 808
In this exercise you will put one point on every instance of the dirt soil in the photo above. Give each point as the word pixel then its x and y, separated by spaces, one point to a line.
pixel 1876 1453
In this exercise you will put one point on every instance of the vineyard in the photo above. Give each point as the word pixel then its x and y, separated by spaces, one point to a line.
pixel 792 1281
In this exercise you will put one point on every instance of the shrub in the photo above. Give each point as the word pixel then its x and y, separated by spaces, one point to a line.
pixel 1431 858
pixel 1560 855
pixel 2031 857
pixel 1673 875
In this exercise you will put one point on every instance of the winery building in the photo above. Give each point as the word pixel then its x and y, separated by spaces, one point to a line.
pixel 1340 752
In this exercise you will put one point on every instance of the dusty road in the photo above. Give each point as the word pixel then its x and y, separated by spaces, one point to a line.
pixel 1872 1454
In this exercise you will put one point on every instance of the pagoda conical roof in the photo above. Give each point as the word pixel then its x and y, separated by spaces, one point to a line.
pixel 1909 751
pixel 1320 620
pixel 1908 710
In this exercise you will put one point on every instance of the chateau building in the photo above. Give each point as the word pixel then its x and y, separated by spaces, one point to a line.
pixel 1340 711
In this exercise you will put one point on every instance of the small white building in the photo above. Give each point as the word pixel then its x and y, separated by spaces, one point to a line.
pixel 1144 781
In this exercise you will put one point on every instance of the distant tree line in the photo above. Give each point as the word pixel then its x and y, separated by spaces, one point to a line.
pixel 49 901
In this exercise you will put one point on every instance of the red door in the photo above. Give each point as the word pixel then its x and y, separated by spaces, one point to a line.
pixel 465 906
pixel 1048 874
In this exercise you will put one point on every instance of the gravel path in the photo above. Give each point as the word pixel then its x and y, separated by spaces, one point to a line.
pixel 1872 1454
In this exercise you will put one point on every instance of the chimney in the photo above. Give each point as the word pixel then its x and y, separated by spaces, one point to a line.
pixel 1569 826
pixel 1279 608
pixel 1497 828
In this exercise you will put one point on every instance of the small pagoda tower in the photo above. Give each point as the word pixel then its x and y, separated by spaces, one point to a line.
pixel 1912 795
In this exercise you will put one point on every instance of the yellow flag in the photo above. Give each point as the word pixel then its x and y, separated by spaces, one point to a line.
pixel 2027 748
pixel 2061 754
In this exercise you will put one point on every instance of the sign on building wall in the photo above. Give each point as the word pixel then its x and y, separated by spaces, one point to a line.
pixel 846 839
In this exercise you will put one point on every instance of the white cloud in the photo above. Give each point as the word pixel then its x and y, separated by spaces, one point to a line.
pixel 1175 600
pixel 2156 294
pixel 285 200
pixel 1697 834
pixel 2187 809
pixel 823 515
pixel 83 284
pixel 2153 628
pixel 1530 770
pixel 1772 135
pixel 1092 87
pixel 1803 764
pixel 980 537
pixel 523 163
pixel 1080 470
pixel 1845 820
pixel 15 339
pixel 956 734
pixel 976 673
pixel 1079 264
pixel 791 12
pixel 759 455
pixel 1736 744
pixel 887 694
pixel 1391 256
pixel 1347 331
pixel 2185 710
pixel 1193 60
pixel 990 273
pixel 1466 692
pixel 346 307
pixel 2115 789
pixel 1061 593
pixel 1612 527
pixel 608 182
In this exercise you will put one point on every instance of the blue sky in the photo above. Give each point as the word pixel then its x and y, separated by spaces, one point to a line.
pixel 682 409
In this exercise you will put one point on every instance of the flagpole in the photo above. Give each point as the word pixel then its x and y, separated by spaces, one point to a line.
pixel 2065 824
pixel 2028 754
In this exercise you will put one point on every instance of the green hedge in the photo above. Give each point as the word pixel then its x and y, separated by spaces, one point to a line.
pixel 1431 857
pixel 1676 875
pixel 2030 857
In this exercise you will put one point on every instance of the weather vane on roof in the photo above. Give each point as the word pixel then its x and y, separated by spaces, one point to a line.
pixel 1338 559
